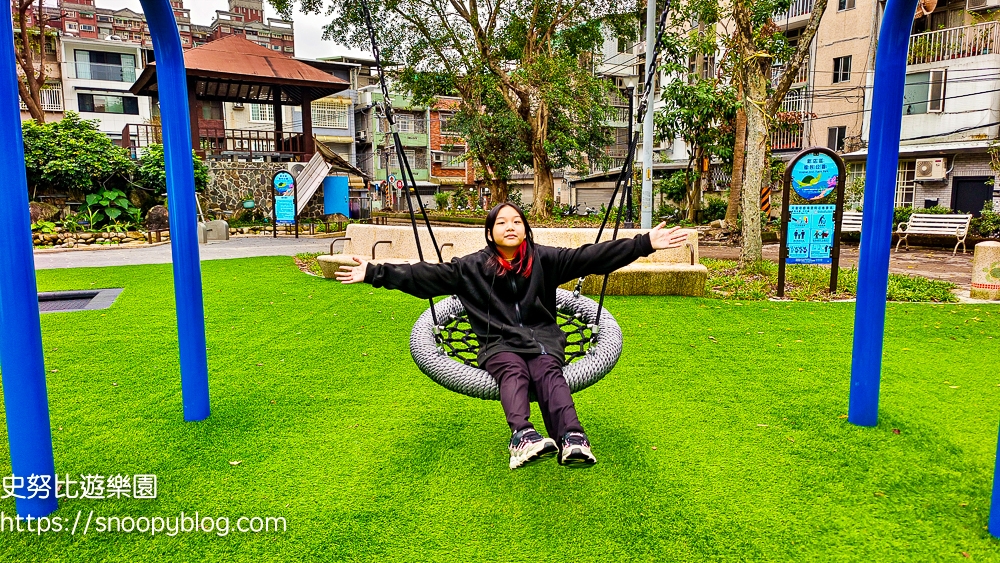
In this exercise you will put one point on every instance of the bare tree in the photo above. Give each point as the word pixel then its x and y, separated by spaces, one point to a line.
pixel 30 49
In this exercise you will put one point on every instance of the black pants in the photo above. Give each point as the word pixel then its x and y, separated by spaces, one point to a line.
pixel 516 374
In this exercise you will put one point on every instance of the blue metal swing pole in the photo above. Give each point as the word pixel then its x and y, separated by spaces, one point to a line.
pixel 879 201
pixel 21 358
pixel 171 79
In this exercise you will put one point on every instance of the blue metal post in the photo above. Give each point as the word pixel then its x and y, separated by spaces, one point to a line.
pixel 21 360
pixel 171 79
pixel 879 201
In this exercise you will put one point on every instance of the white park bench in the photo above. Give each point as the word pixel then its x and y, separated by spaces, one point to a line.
pixel 930 224
pixel 851 222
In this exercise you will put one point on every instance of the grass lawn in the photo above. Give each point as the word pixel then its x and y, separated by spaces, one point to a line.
pixel 721 434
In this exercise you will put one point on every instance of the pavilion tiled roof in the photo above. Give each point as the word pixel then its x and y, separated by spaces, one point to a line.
pixel 235 69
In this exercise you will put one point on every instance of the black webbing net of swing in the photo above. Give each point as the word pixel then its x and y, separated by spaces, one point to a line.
pixel 458 341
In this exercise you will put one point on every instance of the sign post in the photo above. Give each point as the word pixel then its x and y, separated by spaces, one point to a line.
pixel 810 233
pixel 285 196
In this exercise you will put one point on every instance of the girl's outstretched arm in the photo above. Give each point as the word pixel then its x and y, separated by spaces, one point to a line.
pixel 608 256
pixel 421 279
pixel 353 274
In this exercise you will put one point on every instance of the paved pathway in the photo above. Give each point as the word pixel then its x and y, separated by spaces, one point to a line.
pixel 237 247
pixel 933 263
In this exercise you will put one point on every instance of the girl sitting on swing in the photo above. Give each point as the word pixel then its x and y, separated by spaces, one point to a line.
pixel 508 290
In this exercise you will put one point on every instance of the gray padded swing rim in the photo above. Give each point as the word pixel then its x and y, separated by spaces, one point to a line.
pixel 601 357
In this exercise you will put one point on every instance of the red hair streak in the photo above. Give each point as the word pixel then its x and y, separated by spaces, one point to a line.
pixel 524 267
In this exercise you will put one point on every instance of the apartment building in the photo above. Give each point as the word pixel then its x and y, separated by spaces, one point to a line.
pixel 447 147
pixel 96 76
pixel 951 101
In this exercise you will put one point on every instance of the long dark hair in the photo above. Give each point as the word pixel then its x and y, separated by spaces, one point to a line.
pixel 525 256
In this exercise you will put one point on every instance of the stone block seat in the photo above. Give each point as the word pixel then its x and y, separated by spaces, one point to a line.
pixel 665 272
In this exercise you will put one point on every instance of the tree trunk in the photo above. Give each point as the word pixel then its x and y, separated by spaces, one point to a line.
pixel 739 157
pixel 33 80
pixel 756 156
pixel 543 186
pixel 694 186
pixel 499 192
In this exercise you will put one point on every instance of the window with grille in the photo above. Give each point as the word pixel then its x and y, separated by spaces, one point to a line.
pixel 262 113
pixel 905 176
pixel 842 69
pixel 410 123
pixel 329 114
pixel 446 120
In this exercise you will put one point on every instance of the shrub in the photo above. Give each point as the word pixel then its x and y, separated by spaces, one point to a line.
pixel 441 200
pixel 151 172
pixel 715 208
pixel 987 224
pixel 902 214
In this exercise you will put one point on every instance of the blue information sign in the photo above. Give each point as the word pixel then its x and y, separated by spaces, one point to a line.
pixel 284 199
pixel 284 210
pixel 814 176
pixel 810 234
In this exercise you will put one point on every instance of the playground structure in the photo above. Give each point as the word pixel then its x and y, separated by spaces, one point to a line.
pixel 21 354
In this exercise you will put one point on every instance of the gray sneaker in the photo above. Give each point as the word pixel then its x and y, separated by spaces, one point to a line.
pixel 527 445
pixel 576 450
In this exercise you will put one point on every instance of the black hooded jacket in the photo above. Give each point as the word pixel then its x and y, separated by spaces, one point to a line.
pixel 511 313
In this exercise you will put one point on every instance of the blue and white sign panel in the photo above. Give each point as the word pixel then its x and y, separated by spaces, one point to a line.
pixel 284 210
pixel 810 234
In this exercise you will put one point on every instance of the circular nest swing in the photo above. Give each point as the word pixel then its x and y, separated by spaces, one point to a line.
pixel 450 360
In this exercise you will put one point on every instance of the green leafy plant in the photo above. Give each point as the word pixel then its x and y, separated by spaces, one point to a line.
pixel 108 205
pixel 988 223
pixel 151 173
pixel 715 208
pixel 44 227
pixel 441 199
pixel 73 155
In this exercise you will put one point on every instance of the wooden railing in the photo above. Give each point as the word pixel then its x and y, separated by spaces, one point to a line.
pixel 216 142
pixel 954 43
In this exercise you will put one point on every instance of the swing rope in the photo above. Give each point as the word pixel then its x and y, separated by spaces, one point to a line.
pixel 456 338
pixel 624 180
pixel 405 171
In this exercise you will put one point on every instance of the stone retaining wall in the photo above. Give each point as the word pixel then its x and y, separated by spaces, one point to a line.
pixel 231 182
pixel 72 240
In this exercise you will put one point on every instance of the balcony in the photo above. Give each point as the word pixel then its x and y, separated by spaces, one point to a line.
pixel 788 138
pixel 100 71
pixel 796 9
pixel 51 101
pixel 221 143
pixel 954 43
pixel 801 77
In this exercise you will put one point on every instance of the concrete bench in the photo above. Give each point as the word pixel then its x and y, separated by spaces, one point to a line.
pixel 665 272
pixel 931 224
pixel 851 222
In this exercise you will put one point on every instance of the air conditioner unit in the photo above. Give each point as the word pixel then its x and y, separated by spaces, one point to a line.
pixel 361 135
pixel 438 157
pixel 296 167
pixel 982 4
pixel 930 169
pixel 238 105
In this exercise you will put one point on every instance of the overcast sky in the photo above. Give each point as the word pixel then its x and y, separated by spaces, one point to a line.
pixel 308 29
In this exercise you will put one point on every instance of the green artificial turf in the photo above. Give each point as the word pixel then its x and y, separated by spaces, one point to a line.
pixel 721 433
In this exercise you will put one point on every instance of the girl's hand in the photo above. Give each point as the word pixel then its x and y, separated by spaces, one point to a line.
pixel 670 238
pixel 355 274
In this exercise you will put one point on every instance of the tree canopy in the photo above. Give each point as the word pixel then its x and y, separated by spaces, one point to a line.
pixel 531 57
